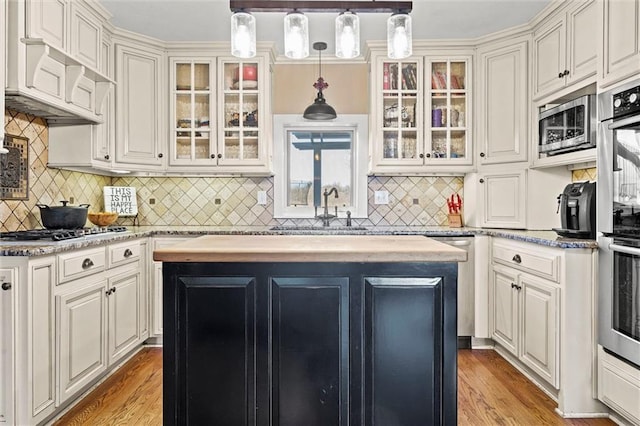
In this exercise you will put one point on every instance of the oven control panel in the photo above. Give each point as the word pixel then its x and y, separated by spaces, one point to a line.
pixel 626 102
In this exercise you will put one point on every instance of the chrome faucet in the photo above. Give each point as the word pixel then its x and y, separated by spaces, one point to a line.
pixel 326 217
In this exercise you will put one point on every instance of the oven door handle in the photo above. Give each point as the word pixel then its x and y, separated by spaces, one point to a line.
pixel 618 124
pixel 624 249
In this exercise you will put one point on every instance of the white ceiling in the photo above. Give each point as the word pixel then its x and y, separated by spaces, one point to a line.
pixel 209 20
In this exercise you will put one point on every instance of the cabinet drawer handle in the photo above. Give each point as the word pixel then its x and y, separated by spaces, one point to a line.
pixel 128 253
pixel 517 258
pixel 87 263
pixel 6 286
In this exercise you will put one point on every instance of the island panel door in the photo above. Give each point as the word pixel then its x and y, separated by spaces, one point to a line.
pixel 403 323
pixel 310 351
pixel 216 380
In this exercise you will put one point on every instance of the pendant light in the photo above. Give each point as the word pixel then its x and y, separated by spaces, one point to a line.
pixel 399 42
pixel 296 35
pixel 347 35
pixel 320 109
pixel 243 35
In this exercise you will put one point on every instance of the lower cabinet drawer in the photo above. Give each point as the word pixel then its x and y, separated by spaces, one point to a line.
pixel 619 386
pixel 123 253
pixel 542 262
pixel 80 263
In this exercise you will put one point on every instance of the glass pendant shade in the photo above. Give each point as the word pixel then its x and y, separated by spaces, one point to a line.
pixel 296 35
pixel 347 35
pixel 243 35
pixel 399 41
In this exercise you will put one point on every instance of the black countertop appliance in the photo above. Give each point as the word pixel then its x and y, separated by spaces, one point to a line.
pixel 577 207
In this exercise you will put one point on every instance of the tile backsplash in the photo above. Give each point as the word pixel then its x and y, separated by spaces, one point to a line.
pixel 46 186
pixel 584 174
pixel 206 201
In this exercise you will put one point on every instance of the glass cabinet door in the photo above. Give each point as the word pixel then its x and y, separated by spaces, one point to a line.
pixel 400 112
pixel 240 112
pixel 192 109
pixel 448 101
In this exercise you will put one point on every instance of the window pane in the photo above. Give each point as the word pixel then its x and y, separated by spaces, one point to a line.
pixel 319 160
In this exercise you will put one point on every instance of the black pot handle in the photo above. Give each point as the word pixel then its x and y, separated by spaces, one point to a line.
pixel 84 205
pixel 64 202
pixel 42 206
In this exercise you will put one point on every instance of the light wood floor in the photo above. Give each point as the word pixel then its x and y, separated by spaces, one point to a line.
pixel 490 392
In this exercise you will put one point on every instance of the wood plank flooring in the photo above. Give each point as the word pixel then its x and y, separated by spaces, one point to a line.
pixel 490 392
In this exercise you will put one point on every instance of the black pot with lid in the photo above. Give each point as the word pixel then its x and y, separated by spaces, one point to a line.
pixel 64 216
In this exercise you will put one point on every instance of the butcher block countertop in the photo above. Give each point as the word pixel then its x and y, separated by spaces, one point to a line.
pixel 310 248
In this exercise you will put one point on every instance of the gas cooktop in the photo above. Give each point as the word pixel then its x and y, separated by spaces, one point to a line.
pixel 44 235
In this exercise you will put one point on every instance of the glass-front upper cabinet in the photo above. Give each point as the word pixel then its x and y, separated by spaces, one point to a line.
pixel 399 111
pixel 447 100
pixel 241 113
pixel 192 107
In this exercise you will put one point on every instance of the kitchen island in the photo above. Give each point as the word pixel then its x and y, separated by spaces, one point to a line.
pixel 310 329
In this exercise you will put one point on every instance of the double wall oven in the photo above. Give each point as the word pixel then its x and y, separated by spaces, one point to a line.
pixel 619 221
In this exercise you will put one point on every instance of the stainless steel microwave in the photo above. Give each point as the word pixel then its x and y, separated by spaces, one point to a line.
pixel 568 127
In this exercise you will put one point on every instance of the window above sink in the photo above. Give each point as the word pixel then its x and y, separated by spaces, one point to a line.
pixel 311 156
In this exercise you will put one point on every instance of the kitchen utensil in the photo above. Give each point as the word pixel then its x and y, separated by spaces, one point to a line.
pixel 102 218
pixel 64 216
pixel 455 204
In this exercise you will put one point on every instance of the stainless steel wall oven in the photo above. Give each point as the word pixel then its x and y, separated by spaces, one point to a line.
pixel 619 221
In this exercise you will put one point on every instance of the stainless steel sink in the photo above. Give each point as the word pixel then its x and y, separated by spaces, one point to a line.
pixel 317 228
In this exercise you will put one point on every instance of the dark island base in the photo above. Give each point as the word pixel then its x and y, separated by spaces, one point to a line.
pixel 310 344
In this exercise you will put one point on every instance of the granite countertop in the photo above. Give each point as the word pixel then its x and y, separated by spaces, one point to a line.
pixel 310 248
pixel 40 248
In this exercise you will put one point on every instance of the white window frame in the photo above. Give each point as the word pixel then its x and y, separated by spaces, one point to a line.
pixel 358 124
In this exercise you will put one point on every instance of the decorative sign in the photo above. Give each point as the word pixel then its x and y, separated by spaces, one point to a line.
pixel 14 169
pixel 121 199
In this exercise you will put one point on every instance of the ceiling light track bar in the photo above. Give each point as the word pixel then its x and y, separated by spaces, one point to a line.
pixel 321 6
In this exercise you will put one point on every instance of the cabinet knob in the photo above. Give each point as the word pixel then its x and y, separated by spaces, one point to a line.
pixel 87 263
pixel 566 72
pixel 481 180
pixel 219 155
pixel 113 289
pixel 108 292
pixel 482 154
pixel 213 156
pixel 421 155
pixel 128 253
pixel 428 155
pixel 560 74
pixel 6 286
pixel 517 258
pixel 160 155
pixel 106 157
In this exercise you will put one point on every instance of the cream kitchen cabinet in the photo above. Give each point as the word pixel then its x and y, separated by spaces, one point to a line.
pixel 565 48
pixel 525 319
pixel 620 47
pixel 619 386
pixel 542 319
pixel 140 104
pixel 514 196
pixel 244 114
pixel 422 112
pixel 101 315
pixel 88 147
pixel 70 319
pixel 81 335
pixel 502 200
pixel 54 61
pixel 502 102
pixel 28 356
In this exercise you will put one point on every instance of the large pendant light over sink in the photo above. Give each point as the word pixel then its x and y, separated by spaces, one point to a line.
pixel 320 109
pixel 347 26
